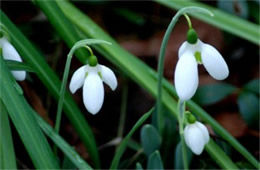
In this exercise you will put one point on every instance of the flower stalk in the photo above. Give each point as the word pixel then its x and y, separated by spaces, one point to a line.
pixel 156 117
pixel 181 118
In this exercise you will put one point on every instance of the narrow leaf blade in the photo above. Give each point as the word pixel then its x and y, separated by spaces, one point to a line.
pixel 24 121
pixel 7 155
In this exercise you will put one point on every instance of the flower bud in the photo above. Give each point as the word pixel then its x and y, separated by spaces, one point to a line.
pixel 196 136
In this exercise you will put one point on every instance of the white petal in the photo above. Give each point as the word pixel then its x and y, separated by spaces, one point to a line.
pixel 108 77
pixel 93 93
pixel 10 53
pixel 186 130
pixel 2 41
pixel 204 131
pixel 186 76
pixel 183 48
pixel 193 48
pixel 77 79
pixel 194 139
pixel 214 62
pixel 19 75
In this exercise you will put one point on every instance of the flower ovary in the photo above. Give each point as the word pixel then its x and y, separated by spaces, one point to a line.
pixel 92 61
pixel 190 118
pixel 192 36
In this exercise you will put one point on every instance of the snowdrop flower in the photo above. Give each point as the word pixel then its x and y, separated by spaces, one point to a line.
pixel 196 136
pixel 10 53
pixel 90 77
pixel 192 52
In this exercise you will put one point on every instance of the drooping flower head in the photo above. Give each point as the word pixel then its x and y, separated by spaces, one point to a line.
pixel 91 77
pixel 191 53
pixel 10 53
pixel 196 135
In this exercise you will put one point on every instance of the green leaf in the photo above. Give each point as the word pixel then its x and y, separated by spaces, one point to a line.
pixel 232 6
pixel 248 104
pixel 219 156
pixel 7 155
pixel 253 86
pixel 67 164
pixel 15 65
pixel 227 22
pixel 50 80
pixel 212 93
pixel 131 16
pixel 24 121
pixel 150 139
pixel 62 144
pixel 178 162
pixel 244 165
pixel 138 166
pixel 123 145
pixel 63 27
pixel 143 74
pixel 155 161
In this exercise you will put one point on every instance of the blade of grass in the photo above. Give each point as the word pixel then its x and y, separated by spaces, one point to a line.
pixel 221 158
pixel 15 65
pixel 222 20
pixel 7 155
pixel 124 143
pixel 136 69
pixel 51 81
pixel 71 154
pixel 24 121
pixel 62 26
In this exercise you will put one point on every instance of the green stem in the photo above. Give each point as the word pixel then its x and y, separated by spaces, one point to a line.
pixel 181 109
pixel 62 93
pixel 188 20
pixel 156 115
pixel 123 109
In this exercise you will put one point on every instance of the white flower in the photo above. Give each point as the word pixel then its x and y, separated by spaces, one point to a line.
pixel 93 90
pixel 196 136
pixel 10 53
pixel 186 73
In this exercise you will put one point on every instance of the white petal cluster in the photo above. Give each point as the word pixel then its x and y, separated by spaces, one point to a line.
pixel 196 136
pixel 10 53
pixel 186 73
pixel 93 90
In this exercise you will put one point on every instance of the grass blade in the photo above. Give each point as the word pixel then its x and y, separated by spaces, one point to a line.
pixel 7 155
pixel 62 144
pixel 15 65
pixel 24 121
pixel 62 26
pixel 123 145
pixel 51 81
pixel 219 156
pixel 222 20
